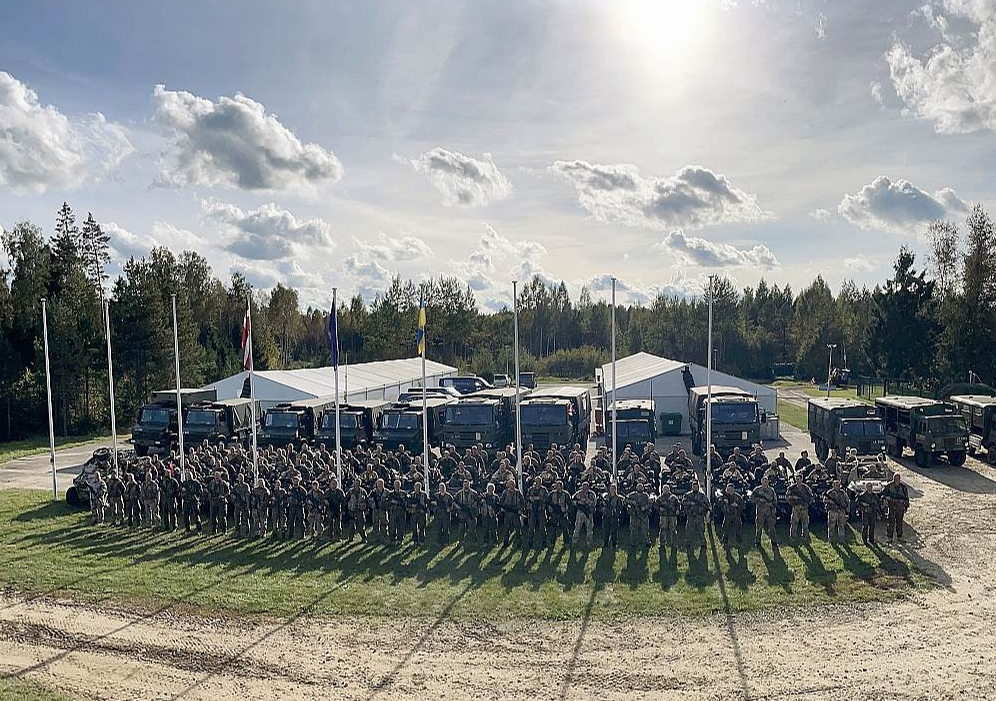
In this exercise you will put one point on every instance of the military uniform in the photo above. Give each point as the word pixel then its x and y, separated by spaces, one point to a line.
pixel 150 503
pixel 489 517
pixel 868 505
pixel 260 509
pixel 765 500
pixel 511 504
pixel 584 515
pixel 296 496
pixel 838 505
pixel 333 516
pixel 639 519
pixel 442 515
pixel 115 499
pixel 536 497
pixel 98 498
pixel 133 496
pixel 357 502
pixel 218 491
pixel 466 506
pixel 191 490
pixel 800 496
pixel 278 509
pixel 170 493
pixel 897 498
pixel 696 508
pixel 241 496
pixel 613 509
pixel 314 505
pixel 560 508
pixel 668 508
pixel 732 507
pixel 397 508
pixel 418 507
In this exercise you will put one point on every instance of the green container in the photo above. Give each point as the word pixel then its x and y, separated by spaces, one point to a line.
pixel 670 424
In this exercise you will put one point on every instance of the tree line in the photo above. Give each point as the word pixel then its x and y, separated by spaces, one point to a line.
pixel 933 319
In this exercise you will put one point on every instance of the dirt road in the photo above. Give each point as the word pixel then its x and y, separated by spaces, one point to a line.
pixel 940 645
pixel 35 471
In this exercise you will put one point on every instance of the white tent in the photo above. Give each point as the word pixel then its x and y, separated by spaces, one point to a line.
pixel 384 379
pixel 647 376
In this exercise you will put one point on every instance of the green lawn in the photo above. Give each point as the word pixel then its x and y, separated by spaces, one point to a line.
pixel 47 548
pixel 39 444
pixel 21 690
pixel 793 415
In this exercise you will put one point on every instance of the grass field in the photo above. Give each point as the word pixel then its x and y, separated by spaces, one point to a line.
pixel 21 690
pixel 39 444
pixel 793 415
pixel 47 548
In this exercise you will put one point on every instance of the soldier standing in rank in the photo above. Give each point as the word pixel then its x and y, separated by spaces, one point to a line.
pixel 560 506
pixel 190 492
pixel 357 501
pixel 336 503
pixel 442 514
pixel 696 508
pixel 897 498
pixel 241 496
pixel 150 501
pixel 489 514
pixel 668 508
pixel 397 512
pixel 838 506
pixel 378 510
pixel 314 505
pixel 115 498
pixel 800 496
pixel 585 501
pixel 218 490
pixel 512 504
pixel 639 517
pixel 418 508
pixel 170 493
pixel 613 509
pixel 296 497
pixel 536 497
pixel 98 497
pixel 467 505
pixel 133 496
pixel 765 500
pixel 260 507
pixel 868 505
pixel 732 506
pixel 278 510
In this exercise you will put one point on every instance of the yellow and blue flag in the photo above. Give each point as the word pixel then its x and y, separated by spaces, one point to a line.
pixel 420 334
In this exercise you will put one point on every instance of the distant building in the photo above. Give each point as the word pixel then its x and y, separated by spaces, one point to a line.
pixel 647 376
pixel 383 379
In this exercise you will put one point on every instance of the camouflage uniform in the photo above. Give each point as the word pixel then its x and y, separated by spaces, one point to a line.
pixel 639 519
pixel 696 508
pixel 467 506
pixel 150 503
pixel 333 517
pixel 378 512
pixel 170 493
pixel 397 507
pixel 800 496
pixel 511 504
pixel 133 496
pixel 765 500
pixel 278 510
pixel 260 509
pixel 613 509
pixel 314 504
pixel 241 495
pixel 668 507
pixel 868 505
pixel 296 497
pixel 115 499
pixel 442 505
pixel 897 497
pixel 560 509
pixel 418 507
pixel 838 505
pixel 219 491
pixel 585 501
pixel 732 507
pixel 191 490
pixel 357 502
pixel 536 497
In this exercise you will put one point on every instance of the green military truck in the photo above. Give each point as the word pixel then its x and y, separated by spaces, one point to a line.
pixel 929 427
pixel 156 427
pixel 842 424
pixel 357 421
pixel 486 417
pixel 401 423
pixel 228 420
pixel 560 415
pixel 636 421
pixel 294 422
pixel 736 418
pixel 979 412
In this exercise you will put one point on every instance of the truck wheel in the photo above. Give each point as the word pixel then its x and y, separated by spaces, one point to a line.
pixel 921 457
pixel 956 458
pixel 72 497
pixel 991 454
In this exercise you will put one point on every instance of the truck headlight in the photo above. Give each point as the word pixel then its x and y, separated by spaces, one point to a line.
pixel 933 445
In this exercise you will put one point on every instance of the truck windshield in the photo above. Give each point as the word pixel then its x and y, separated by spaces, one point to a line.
pixel 201 418
pixel 153 415
pixel 464 415
pixel 737 413
pixel 345 420
pixel 637 430
pixel 943 425
pixel 539 415
pixel 281 419
pixel 862 428
pixel 405 422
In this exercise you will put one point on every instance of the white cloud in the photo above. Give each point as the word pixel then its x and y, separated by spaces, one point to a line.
pixel 820 28
pixel 876 92
pixel 269 232
pixel 859 265
pixel 407 247
pixel 953 84
pixel 462 180
pixel 40 147
pixel 127 244
pixel 700 252
pixel 234 142
pixel 370 277
pixel 692 198
pixel 820 215
pixel 898 205
pixel 498 255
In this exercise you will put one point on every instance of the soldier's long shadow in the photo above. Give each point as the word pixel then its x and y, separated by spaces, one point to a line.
pixel 636 571
pixel 779 573
pixel 574 573
pixel 816 572
pixel 667 571
pixel 739 572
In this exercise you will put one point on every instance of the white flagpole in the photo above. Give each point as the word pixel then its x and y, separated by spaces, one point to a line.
pixel 48 390
pixel 615 460
pixel 110 385
pixel 425 422
pixel 345 370
pixel 252 392
pixel 518 413
pixel 179 402
pixel 708 446
pixel 338 441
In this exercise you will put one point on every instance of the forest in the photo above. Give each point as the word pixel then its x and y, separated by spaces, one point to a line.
pixel 933 319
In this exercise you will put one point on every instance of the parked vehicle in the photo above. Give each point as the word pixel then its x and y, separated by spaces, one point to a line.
pixel 401 423
pixel 413 393
pixel 929 427
pixel 466 384
pixel 527 380
pixel 357 421
pixel 635 420
pixel 736 419
pixel 226 419
pixel 294 422
pixel 842 424
pixel 979 412
pixel 560 415
pixel 156 426
pixel 486 417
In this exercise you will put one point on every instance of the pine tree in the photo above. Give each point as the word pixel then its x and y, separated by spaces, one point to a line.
pixel 66 250
pixel 94 249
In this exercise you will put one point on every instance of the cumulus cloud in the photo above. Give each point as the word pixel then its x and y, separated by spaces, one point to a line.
pixel 269 232
pixel 692 198
pixel 127 244
pixel 820 27
pixel 462 180
pixel 898 205
pixel 820 215
pixel 370 277
pixel 859 265
pixel 40 147
pixel 953 84
pixel 700 252
pixel 235 142
pixel 407 247
pixel 495 252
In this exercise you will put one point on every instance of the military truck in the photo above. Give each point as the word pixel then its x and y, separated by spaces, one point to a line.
pixel 736 419
pixel 486 417
pixel 466 384
pixel 842 424
pixel 560 415
pixel 979 412
pixel 401 423
pixel 929 427
pixel 294 422
pixel 636 422
pixel 226 419
pixel 156 426
pixel 357 421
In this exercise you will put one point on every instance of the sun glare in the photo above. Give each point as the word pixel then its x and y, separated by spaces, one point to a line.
pixel 663 30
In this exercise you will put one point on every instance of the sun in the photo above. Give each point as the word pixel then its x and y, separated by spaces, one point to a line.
pixel 662 30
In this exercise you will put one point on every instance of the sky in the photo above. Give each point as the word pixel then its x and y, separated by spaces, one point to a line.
pixel 335 144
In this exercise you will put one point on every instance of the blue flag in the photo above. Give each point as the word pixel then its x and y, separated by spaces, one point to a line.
pixel 420 333
pixel 333 340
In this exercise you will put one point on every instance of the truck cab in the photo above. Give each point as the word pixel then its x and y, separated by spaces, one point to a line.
pixel 929 427
pixel 843 424
pixel 294 422
pixel 736 418
pixel 401 424
pixel 560 415
pixel 227 420
pixel 635 420
pixel 357 421
pixel 156 426
pixel 979 413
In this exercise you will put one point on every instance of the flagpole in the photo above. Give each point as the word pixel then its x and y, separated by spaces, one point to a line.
pixel 334 353
pixel 179 402
pixel 345 370
pixel 110 385
pixel 425 422
pixel 48 390
pixel 708 447
pixel 518 414
pixel 615 461
pixel 252 391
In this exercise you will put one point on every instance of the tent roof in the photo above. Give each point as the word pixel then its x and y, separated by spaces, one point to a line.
pixel 320 382
pixel 637 368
